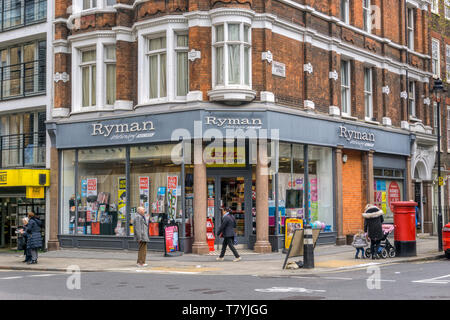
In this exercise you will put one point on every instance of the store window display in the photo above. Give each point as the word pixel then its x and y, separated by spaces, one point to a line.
pixel 291 185
pixel 155 185
pixel 388 188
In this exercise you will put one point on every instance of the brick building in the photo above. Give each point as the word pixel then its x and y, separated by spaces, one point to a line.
pixel 341 85
pixel 439 42
pixel 25 101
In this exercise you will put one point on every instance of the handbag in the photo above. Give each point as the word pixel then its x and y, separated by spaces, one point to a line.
pixel 21 245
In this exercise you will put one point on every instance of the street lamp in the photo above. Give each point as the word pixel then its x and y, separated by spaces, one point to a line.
pixel 438 90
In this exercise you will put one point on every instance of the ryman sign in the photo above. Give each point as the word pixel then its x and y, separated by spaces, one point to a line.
pixel 363 138
pixel 124 131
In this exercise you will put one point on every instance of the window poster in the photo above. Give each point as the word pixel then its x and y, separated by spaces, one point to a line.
pixel 144 193
pixel 172 183
pixel 171 238
pixel 91 187
pixel 387 192
pixel 83 188
pixel 122 198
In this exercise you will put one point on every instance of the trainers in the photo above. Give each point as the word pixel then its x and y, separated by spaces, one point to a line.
pixel 145 265
pixel 220 259
pixel 237 259
pixel 139 265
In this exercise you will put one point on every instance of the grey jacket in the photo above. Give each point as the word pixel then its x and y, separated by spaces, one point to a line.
pixel 359 241
pixel 141 229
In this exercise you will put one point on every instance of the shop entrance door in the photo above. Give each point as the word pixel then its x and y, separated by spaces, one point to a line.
pixel 230 189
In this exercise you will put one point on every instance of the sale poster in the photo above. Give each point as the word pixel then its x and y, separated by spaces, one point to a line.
pixel 144 193
pixel 393 194
pixel 291 226
pixel 172 184
pixel 171 237
pixel 91 187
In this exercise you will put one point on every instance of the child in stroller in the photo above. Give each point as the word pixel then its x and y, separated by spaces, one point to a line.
pixel 386 249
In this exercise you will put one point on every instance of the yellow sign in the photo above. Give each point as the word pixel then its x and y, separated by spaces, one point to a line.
pixel 25 178
pixel 441 181
pixel 225 157
pixel 35 192
pixel 292 224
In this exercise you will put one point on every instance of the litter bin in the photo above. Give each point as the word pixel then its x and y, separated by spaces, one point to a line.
pixel 405 228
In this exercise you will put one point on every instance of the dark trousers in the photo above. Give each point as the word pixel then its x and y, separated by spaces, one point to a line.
pixel 374 245
pixel 142 253
pixel 27 253
pixel 228 241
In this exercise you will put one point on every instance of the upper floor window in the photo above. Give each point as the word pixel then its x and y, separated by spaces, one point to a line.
pixel 410 27
pixel 182 70
pixel 110 62
pixel 156 55
pixel 447 61
pixel 435 6
pixel 23 70
pixel 368 93
pixel 345 11
pixel 231 43
pixel 367 16
pixel 88 77
pixel 15 13
pixel 435 58
pixel 89 4
pixel 447 9
pixel 345 88
pixel 412 98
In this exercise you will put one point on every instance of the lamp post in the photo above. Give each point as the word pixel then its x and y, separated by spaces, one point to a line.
pixel 438 89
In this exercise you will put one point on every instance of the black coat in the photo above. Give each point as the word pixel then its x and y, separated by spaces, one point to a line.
pixel 227 226
pixel 34 238
pixel 373 220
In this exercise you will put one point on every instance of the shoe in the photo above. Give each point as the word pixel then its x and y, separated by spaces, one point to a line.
pixel 139 265
pixel 237 259
pixel 220 259
pixel 356 257
pixel 145 265
pixel 29 262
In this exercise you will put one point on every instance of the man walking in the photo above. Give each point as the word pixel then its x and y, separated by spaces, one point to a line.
pixel 141 235
pixel 226 231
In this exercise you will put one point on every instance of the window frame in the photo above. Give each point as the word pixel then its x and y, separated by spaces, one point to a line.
pixel 436 62
pixel 367 21
pixel 368 115
pixel 434 7
pixel 345 65
pixel 345 14
pixel 151 53
pixel 447 9
pixel 107 63
pixel 225 44
pixel 412 99
pixel 447 62
pixel 90 64
pixel 178 50
pixel 411 27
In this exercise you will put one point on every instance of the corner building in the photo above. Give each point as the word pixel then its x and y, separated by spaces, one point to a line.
pixel 329 83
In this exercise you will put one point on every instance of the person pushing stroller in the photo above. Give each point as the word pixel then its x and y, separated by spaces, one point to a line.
pixel 373 220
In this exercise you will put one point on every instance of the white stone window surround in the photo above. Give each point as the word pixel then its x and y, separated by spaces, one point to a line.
pixel 169 27
pixel 101 6
pixel 231 92
pixel 97 40
pixel 435 58
pixel 434 5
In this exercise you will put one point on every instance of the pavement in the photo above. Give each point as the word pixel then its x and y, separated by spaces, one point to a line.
pixel 327 258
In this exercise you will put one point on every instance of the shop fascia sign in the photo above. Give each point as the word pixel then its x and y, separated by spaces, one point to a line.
pixel 127 131
pixel 233 122
pixel 364 138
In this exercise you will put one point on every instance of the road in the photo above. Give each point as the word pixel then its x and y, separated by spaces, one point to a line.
pixel 421 280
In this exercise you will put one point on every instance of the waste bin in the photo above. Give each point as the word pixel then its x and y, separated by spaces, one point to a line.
pixel 405 228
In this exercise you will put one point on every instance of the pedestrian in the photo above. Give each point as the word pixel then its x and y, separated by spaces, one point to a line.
pixel 373 219
pixel 359 243
pixel 23 235
pixel 141 236
pixel 34 237
pixel 226 231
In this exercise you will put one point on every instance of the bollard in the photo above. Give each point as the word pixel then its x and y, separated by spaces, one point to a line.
pixel 308 244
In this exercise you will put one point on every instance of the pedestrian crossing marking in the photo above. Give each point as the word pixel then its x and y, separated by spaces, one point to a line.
pixel 438 280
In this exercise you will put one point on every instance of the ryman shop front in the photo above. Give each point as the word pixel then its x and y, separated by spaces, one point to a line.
pixel 185 166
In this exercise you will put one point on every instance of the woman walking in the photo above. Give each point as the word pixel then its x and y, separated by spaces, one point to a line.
pixel 373 219
pixel 34 238
pixel 227 231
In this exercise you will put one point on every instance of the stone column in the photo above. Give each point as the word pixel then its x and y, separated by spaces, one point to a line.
pixel 340 240
pixel 409 184
pixel 428 207
pixel 200 246
pixel 262 244
pixel 53 243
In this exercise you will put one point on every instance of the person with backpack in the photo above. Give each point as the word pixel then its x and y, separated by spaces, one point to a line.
pixel 226 231
pixel 373 220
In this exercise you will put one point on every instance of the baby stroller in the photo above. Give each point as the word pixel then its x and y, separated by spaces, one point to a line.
pixel 386 249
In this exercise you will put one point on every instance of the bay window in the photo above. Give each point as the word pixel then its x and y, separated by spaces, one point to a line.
pixel 182 70
pixel 88 77
pixel 231 42
pixel 157 67
pixel 110 62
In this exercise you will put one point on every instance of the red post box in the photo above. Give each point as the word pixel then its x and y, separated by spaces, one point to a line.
pixel 405 228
